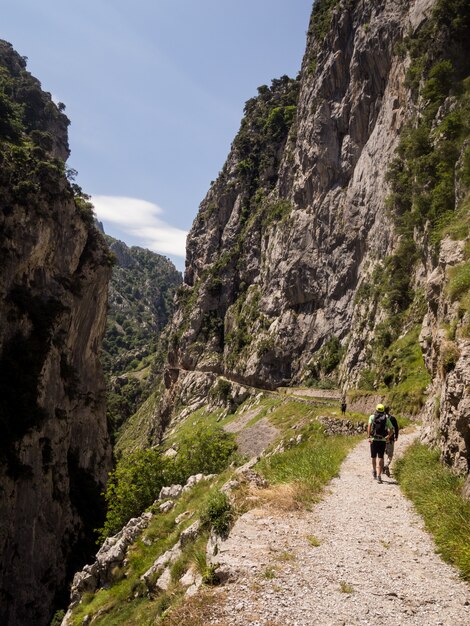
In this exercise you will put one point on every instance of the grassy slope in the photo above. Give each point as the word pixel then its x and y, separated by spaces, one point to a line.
pixel 436 493
pixel 308 467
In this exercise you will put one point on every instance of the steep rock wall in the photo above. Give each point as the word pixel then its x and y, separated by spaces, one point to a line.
pixel 54 271
pixel 291 257
pixel 301 224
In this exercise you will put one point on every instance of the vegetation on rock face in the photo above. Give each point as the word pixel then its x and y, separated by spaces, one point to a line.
pixel 320 19
pixel 140 303
pixel 430 183
pixel 264 129
pixel 34 181
pixel 320 370
pixel 433 149
pixel 398 372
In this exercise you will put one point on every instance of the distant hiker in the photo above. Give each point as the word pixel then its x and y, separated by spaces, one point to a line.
pixel 379 431
pixel 343 406
pixel 390 445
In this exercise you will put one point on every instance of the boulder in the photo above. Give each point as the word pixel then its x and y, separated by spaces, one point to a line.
pixel 173 491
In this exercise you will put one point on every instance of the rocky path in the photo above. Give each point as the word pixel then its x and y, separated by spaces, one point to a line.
pixel 374 564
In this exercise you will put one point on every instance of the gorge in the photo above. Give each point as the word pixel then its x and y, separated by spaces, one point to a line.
pixel 331 251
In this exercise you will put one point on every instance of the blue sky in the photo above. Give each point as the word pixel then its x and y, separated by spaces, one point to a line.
pixel 155 91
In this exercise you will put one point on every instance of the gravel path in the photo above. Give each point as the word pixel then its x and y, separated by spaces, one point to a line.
pixel 375 563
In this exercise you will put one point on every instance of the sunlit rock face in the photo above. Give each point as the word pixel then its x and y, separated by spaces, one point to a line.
pixel 282 240
pixel 298 221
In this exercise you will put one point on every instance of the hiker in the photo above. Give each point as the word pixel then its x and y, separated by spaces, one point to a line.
pixel 379 431
pixel 390 445
pixel 343 406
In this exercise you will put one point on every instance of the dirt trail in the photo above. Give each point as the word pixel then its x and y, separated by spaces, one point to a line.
pixel 375 563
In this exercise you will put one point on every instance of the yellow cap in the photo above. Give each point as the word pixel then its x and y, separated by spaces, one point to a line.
pixel 380 408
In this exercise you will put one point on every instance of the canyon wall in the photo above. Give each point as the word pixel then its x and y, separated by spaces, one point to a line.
pixel 54 272
pixel 321 252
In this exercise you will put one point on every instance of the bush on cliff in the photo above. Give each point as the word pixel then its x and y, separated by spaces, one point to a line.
pixel 136 481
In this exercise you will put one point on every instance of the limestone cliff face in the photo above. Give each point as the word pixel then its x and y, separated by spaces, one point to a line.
pixel 291 267
pixel 447 353
pixel 302 242
pixel 54 270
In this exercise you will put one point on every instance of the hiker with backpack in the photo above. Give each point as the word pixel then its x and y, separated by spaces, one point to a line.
pixel 390 445
pixel 379 431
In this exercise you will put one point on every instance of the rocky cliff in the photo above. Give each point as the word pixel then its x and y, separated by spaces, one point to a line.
pixel 334 242
pixel 54 271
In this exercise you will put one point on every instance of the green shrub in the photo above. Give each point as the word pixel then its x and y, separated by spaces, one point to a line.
pixel 210 577
pixel 276 211
pixel 138 477
pixel 279 121
pixel 132 487
pixel 222 390
pixel 204 450
pixel 218 513
pixel 449 356
pixel 326 360
pixel 58 617
pixel 438 84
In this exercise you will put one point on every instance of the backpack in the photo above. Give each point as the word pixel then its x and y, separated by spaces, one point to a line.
pixel 395 426
pixel 379 425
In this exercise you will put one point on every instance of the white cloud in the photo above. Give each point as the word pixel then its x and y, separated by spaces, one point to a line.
pixel 142 221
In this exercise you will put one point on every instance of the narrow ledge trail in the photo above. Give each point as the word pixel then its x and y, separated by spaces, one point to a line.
pixel 375 563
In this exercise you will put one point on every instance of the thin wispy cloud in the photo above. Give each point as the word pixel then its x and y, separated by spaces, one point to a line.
pixel 143 221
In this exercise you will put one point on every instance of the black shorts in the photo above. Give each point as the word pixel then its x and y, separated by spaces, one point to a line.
pixel 377 448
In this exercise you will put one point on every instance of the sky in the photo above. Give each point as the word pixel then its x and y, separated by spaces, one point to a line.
pixel 155 91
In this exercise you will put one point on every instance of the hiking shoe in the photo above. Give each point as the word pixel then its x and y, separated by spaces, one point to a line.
pixel 374 474
pixel 387 471
pixel 379 479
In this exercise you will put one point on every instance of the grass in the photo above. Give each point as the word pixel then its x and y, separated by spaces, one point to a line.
pixel 195 611
pixel 298 476
pixel 458 226
pixel 345 587
pixel 308 467
pixel 117 604
pixel 269 573
pixel 436 493
pixel 459 280
pixel 286 557
pixel 313 541
pixel 133 434
pixel 288 412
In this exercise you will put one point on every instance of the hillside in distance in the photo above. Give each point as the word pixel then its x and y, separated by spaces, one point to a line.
pixel 140 303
